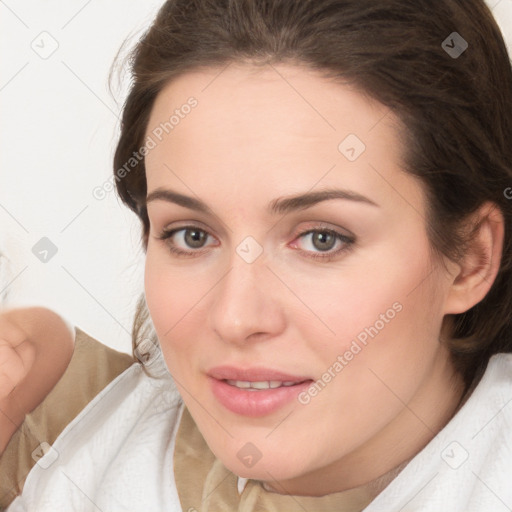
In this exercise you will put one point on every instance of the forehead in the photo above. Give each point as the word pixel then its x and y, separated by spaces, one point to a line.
pixel 281 125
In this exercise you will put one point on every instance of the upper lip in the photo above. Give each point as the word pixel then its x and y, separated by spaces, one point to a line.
pixel 256 374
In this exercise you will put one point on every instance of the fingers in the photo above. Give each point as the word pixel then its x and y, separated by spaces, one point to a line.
pixel 15 364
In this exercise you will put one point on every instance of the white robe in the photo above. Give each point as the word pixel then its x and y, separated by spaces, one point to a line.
pixel 117 454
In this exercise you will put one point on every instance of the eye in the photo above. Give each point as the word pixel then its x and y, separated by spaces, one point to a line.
pixel 323 243
pixel 186 240
pixel 321 240
pixel 320 243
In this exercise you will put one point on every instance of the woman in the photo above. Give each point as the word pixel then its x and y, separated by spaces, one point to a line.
pixel 322 190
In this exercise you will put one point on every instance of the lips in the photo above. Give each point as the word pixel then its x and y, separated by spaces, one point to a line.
pixel 254 375
pixel 258 385
pixel 255 392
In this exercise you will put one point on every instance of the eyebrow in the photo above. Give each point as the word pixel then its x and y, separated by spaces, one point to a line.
pixel 277 206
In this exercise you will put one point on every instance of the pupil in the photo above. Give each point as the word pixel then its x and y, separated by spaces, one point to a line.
pixel 323 240
pixel 195 238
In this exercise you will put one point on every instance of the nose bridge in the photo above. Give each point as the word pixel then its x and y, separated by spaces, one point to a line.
pixel 245 303
pixel 241 282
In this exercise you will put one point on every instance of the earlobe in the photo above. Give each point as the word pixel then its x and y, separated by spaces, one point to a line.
pixel 480 265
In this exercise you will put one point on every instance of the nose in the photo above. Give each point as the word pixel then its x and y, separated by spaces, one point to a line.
pixel 247 304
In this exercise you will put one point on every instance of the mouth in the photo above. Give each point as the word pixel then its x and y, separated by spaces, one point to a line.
pixel 261 385
pixel 255 392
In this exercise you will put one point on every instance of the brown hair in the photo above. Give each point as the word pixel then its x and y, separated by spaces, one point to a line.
pixel 456 109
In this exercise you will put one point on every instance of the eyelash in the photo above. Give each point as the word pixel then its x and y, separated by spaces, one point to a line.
pixel 348 243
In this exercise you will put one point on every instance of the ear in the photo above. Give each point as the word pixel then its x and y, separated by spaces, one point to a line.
pixel 477 271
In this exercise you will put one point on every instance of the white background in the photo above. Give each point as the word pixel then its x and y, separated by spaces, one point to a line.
pixel 59 125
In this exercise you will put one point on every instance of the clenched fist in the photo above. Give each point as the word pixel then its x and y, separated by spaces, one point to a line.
pixel 17 355
pixel 36 346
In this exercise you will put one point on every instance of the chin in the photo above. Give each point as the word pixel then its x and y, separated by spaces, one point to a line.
pixel 267 470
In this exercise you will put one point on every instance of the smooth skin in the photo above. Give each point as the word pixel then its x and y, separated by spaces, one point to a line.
pixel 256 135
pixel 35 349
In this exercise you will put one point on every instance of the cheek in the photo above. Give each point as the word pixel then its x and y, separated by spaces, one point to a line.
pixel 368 372
pixel 364 302
pixel 384 317
pixel 158 297
pixel 166 297
pixel 175 299
pixel 387 347
pixel 170 291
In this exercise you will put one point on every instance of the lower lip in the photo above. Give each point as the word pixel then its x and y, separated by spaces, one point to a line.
pixel 255 403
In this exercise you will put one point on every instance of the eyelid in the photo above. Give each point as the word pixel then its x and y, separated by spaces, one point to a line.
pixel 162 212
pixel 169 232
pixel 323 226
pixel 190 223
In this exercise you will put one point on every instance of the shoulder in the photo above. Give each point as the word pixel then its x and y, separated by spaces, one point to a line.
pixel 493 399
pixel 95 363
pixel 493 394
pixel 467 465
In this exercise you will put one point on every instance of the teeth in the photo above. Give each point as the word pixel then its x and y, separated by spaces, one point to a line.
pixel 260 385
pixel 240 384
pixel 266 384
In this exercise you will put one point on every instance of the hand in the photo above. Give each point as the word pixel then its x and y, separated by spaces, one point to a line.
pixel 36 347
pixel 17 355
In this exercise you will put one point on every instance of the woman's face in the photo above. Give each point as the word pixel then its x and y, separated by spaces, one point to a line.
pixel 288 253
